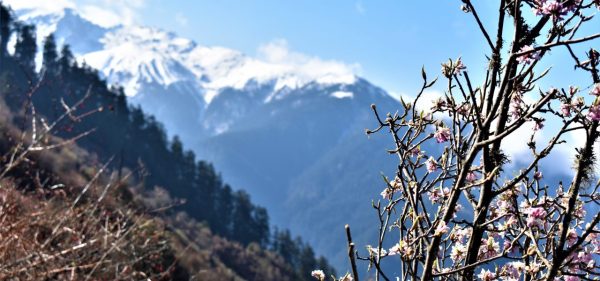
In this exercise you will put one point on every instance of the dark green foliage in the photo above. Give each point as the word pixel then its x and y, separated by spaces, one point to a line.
pixel 26 48
pixel 5 25
pixel 249 223
pixel 299 255
pixel 66 61
pixel 49 56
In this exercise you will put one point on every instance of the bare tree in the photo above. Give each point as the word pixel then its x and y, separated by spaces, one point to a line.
pixel 463 209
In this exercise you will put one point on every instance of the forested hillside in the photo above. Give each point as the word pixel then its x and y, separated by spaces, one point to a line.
pixel 211 227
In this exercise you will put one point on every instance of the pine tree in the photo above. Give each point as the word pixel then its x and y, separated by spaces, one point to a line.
pixel 307 262
pixel 66 61
pixel 222 220
pixel 242 218
pixel 261 225
pixel 5 24
pixel 26 48
pixel 50 57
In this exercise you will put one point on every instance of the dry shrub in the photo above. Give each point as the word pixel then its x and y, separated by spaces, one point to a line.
pixel 52 239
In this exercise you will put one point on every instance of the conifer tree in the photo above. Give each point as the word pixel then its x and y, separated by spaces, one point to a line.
pixel 66 60
pixel 26 48
pixel 49 56
pixel 5 24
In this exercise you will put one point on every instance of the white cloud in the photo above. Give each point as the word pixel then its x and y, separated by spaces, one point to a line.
pixel 181 19
pixel 42 6
pixel 102 12
pixel 100 16
pixel 124 12
pixel 279 57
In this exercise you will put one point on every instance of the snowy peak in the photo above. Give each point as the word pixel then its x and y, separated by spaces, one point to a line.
pixel 197 90
pixel 148 38
pixel 133 55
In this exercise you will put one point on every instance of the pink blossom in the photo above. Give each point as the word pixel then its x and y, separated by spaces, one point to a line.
pixel 571 237
pixel 463 109
pixel 489 248
pixel 395 250
pixel 442 134
pixel 432 165
pixel 594 239
pixel 573 90
pixel 387 193
pixel 578 102
pixel 471 177
pixel 594 113
pixel 435 196
pixel 565 109
pixel 536 216
pixel 438 194
pixel 438 104
pixel 415 151
pixel 586 259
pixel 537 175
pixel 529 57
pixel 579 210
pixel 504 206
pixel 459 67
pixel 461 234
pixel 486 275
pixel 516 105
pixel 391 189
pixel 402 248
pixel 596 90
pixel 571 278
pixel 512 270
pixel 441 228
pixel 318 274
pixel 458 252
pixel 457 209
pixel 376 251
pixel 555 9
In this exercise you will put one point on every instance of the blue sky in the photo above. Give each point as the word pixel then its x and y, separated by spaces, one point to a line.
pixel 388 40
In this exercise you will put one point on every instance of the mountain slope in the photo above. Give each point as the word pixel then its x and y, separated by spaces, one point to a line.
pixel 281 129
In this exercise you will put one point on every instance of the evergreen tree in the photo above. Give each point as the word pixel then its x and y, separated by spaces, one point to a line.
pixel 286 247
pixel 223 218
pixel 66 61
pixel 5 24
pixel 261 225
pixel 242 218
pixel 50 57
pixel 26 48
pixel 307 262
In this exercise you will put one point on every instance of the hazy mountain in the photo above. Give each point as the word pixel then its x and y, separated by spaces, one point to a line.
pixel 291 135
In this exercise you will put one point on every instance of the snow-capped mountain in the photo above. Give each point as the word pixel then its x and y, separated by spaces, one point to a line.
pixel 161 71
pixel 286 127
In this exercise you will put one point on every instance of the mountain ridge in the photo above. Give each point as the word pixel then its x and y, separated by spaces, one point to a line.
pixel 264 123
